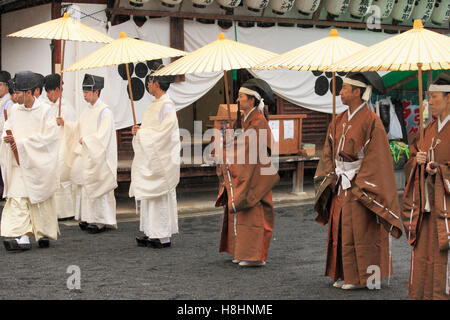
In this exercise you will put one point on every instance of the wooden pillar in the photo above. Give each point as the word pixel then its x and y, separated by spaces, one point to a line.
pixel 177 33
pixel 56 54
pixel 177 39
pixel 297 178
pixel 112 12
pixel 427 94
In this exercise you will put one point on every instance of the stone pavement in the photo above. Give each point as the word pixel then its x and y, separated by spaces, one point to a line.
pixel 192 203
pixel 112 266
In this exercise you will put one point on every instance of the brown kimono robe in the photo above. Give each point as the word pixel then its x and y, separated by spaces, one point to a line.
pixel 246 194
pixel 363 216
pixel 427 227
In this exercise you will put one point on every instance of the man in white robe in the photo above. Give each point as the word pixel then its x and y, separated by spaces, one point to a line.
pixel 28 156
pixel 91 153
pixel 65 195
pixel 155 171
pixel 5 100
pixel 38 91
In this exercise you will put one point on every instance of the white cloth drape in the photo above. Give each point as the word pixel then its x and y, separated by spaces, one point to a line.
pixel 296 87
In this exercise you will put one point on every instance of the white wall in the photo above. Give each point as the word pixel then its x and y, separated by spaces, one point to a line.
pixel 20 54
pixel 76 50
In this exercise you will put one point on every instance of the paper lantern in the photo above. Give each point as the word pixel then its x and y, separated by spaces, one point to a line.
pixel 281 6
pixel 385 7
pixel 307 6
pixel 138 3
pixel 228 4
pixel 170 3
pixel 359 8
pixel 422 10
pixel 336 8
pixel 441 12
pixel 201 3
pixel 402 10
pixel 256 5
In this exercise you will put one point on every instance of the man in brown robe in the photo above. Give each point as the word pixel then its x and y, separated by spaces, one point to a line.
pixel 355 189
pixel 426 201
pixel 246 186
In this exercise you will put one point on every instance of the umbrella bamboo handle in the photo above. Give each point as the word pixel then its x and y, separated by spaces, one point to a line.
pixel 130 90
pixel 225 79
pixel 419 75
pixel 61 78
pixel 333 117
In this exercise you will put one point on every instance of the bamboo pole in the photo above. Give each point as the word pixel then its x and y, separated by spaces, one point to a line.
pixel 421 143
pixel 227 96
pixel 61 78
pixel 130 90
pixel 419 71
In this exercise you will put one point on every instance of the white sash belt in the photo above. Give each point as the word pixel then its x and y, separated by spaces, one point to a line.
pixel 347 171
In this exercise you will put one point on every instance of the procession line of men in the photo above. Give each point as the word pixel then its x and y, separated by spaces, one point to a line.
pixel 356 192
pixel 57 167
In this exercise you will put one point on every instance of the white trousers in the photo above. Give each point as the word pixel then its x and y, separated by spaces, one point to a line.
pixel 65 200
pixel 101 211
pixel 20 217
pixel 159 216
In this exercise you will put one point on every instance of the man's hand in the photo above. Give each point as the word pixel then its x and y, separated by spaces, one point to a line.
pixel 135 129
pixel 421 157
pixel 81 141
pixel 60 121
pixel 10 139
pixel 431 170
pixel 14 146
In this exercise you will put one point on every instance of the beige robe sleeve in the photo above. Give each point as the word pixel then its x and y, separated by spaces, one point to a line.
pixel 156 165
pixel 38 156
pixel 92 163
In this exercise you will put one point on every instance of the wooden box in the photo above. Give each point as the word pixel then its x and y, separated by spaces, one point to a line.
pixel 310 149
pixel 286 128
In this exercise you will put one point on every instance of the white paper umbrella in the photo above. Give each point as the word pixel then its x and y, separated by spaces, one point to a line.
pixel 64 28
pixel 125 50
pixel 219 55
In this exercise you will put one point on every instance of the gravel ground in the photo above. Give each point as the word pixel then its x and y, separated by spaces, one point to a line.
pixel 113 267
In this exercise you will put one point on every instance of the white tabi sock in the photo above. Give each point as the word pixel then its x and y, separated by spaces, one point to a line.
pixel 164 240
pixel 23 240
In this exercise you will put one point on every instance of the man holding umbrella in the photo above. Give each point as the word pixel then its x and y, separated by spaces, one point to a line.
pixel 246 188
pixel 91 148
pixel 356 193
pixel 29 176
pixel 425 207
pixel 65 195
pixel 155 171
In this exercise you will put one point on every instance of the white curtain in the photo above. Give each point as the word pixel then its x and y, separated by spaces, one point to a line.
pixel 297 87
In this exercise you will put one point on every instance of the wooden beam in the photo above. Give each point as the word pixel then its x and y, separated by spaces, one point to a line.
pixel 402 82
pixel 316 14
pixel 177 33
pixel 56 54
pixel 191 15
pixel 113 12
pixel 177 39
